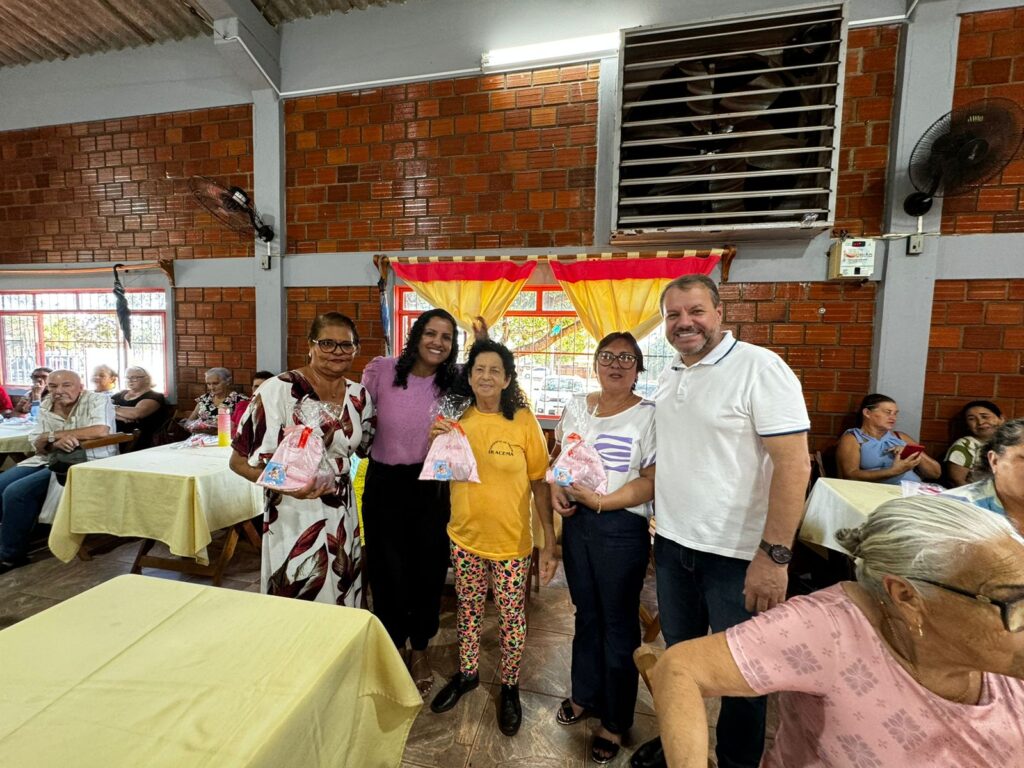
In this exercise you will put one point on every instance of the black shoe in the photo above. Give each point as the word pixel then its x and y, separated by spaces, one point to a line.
pixel 649 755
pixel 449 696
pixel 510 713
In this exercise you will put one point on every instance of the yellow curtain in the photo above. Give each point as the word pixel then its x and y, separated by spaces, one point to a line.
pixel 623 294
pixel 467 288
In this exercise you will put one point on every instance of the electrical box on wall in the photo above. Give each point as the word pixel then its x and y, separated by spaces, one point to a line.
pixel 851 259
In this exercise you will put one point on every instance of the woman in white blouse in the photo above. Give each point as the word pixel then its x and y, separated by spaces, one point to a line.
pixel 606 544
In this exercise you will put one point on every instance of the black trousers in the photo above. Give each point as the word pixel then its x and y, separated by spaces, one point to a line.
pixel 605 557
pixel 405 522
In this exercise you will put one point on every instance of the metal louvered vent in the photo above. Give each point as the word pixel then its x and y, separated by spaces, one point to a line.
pixel 730 125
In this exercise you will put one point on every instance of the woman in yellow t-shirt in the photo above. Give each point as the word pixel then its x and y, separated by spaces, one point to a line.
pixel 490 526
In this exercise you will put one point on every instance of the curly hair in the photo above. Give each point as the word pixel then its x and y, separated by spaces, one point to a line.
pixel 447 372
pixel 512 397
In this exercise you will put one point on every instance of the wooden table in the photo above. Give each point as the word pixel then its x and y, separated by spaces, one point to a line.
pixel 175 495
pixel 150 672
pixel 837 504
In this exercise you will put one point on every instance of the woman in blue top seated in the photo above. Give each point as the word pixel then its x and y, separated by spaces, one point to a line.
pixel 1001 469
pixel 871 452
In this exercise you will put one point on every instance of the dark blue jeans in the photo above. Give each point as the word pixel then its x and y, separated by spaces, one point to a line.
pixel 605 557
pixel 698 590
pixel 22 493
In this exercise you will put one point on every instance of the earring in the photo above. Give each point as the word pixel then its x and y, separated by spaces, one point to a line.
pixel 920 629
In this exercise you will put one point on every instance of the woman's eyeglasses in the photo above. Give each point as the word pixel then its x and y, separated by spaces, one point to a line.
pixel 626 360
pixel 1012 611
pixel 330 345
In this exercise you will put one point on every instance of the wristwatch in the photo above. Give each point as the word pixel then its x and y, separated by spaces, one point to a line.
pixel 777 552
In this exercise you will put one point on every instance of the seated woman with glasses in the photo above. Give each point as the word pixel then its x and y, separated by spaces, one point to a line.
pixel 139 407
pixel 917 664
pixel 203 419
pixel 876 452
pixel 605 542
pixel 311 548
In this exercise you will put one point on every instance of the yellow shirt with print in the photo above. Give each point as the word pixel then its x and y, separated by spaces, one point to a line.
pixel 492 518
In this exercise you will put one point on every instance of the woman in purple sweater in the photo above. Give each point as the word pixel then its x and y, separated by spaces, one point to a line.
pixel 405 518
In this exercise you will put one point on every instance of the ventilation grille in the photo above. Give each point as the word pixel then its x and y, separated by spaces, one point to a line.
pixel 729 125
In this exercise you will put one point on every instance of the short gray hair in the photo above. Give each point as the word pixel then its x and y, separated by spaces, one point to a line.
pixel 686 282
pixel 110 371
pixel 149 379
pixel 1007 435
pixel 920 537
pixel 223 373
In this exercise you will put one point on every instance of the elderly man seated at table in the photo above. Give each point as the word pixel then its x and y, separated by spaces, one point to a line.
pixel 1000 469
pixel 69 415
pixel 917 664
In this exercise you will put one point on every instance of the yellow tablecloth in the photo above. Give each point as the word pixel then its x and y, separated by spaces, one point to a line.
pixel 142 671
pixel 14 437
pixel 837 504
pixel 177 496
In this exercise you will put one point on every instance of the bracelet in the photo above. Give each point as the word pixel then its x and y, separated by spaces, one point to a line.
pixel 600 501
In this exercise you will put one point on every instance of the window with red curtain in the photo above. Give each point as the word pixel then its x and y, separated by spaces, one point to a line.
pixel 554 353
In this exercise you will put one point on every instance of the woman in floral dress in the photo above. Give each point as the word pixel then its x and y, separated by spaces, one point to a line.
pixel 311 547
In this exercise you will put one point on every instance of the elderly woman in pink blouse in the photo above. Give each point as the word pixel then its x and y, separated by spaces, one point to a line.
pixel 405 518
pixel 918 664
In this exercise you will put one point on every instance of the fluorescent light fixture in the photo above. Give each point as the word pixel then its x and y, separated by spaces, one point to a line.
pixel 556 52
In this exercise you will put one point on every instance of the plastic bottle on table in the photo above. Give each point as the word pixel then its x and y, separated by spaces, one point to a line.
pixel 223 426
pixel 33 411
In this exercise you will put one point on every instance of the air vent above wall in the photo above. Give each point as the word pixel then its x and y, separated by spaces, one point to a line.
pixel 729 125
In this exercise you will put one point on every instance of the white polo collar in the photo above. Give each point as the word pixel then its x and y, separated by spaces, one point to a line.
pixel 715 356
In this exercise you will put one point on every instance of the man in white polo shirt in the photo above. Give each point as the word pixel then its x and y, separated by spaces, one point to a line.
pixel 732 470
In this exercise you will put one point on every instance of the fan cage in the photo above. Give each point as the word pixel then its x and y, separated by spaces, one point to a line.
pixel 729 125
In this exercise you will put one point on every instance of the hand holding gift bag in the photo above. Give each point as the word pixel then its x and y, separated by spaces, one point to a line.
pixel 450 456
pixel 299 460
pixel 578 463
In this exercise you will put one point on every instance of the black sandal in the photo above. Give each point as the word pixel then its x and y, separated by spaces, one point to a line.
pixel 604 750
pixel 566 716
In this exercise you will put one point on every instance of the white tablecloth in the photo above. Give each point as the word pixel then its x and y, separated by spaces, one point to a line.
pixel 837 504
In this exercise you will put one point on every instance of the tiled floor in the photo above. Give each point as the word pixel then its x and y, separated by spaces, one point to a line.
pixel 466 737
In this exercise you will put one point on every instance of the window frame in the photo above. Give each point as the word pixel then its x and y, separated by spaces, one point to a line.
pixel 37 315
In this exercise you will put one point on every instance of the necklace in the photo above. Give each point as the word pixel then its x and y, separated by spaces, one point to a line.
pixel 912 667
pixel 597 405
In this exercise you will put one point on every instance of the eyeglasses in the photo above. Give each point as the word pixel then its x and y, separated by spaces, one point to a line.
pixel 1012 611
pixel 134 378
pixel 330 345
pixel 626 360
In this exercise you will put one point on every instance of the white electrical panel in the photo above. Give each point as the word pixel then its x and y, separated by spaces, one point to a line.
pixel 851 259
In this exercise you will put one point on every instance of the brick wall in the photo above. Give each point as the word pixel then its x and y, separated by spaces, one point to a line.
pixel 864 140
pixel 214 327
pixel 480 162
pixel 976 351
pixel 829 350
pixel 359 303
pixel 989 63
pixel 115 190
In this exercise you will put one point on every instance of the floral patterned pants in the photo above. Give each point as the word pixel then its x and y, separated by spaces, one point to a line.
pixel 509 584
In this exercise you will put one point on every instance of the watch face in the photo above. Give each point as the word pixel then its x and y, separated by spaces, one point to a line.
pixel 780 554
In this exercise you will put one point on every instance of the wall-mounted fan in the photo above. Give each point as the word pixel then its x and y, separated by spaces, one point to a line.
pixel 231 205
pixel 962 150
